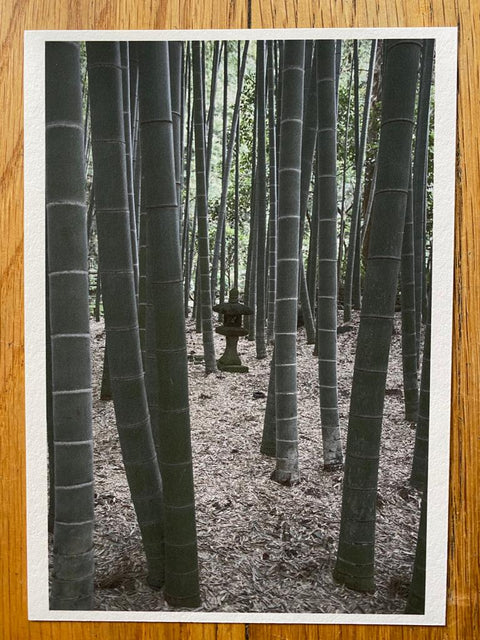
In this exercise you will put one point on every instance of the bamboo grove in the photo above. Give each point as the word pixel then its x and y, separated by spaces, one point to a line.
pixel 307 187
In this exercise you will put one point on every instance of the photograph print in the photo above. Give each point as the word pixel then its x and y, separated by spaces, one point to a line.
pixel 243 325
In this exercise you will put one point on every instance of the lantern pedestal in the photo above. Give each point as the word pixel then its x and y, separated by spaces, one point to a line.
pixel 232 312
pixel 230 360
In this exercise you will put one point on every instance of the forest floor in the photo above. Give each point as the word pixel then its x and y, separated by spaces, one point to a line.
pixel 262 547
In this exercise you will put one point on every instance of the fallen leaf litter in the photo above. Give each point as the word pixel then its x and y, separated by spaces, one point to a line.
pixel 262 547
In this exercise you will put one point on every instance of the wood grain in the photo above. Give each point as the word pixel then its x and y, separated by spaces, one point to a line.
pixel 463 619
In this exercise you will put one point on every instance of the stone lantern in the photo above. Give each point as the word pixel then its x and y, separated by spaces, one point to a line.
pixel 232 312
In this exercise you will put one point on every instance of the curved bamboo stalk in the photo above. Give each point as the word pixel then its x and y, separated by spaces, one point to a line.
pixel 121 319
pixel 355 558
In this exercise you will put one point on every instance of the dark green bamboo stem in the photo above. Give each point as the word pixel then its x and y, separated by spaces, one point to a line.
pixel 309 138
pixel 416 594
pixel 121 318
pixel 338 67
pixel 188 275
pixel 197 309
pixel 227 164
pixel 166 287
pixel 344 180
pixel 419 178
pixel 49 410
pixel 73 562
pixel 418 476
pixel 125 59
pixel 98 296
pixel 133 58
pixel 175 52
pixel 287 471
pixel 187 236
pixel 260 204
pixel 105 388
pixel 273 193
pixel 250 273
pixel 356 550
pixel 237 186
pixel 202 211
pixel 312 264
pixel 327 254
pixel 353 245
pixel 409 343
pixel 269 434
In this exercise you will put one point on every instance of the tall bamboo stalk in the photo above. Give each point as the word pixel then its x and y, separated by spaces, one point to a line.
pixel 416 593
pixel 420 178
pixel 418 476
pixel 73 563
pixel 309 138
pixel 227 165
pixel 165 271
pixel 356 550
pixel 124 53
pixel 273 193
pixel 121 319
pixel 409 346
pixel 327 254
pixel 260 203
pixel 353 245
pixel 202 210
pixel 286 470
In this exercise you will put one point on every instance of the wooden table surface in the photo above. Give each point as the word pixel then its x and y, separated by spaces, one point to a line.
pixel 463 620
